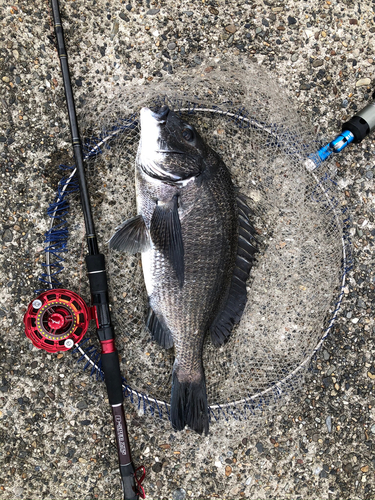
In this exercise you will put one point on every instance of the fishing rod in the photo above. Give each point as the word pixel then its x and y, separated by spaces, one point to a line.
pixel 59 318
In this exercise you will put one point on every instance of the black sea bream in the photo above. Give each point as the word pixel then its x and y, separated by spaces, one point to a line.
pixel 197 249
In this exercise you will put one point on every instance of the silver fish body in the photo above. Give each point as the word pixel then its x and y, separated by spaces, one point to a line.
pixel 197 249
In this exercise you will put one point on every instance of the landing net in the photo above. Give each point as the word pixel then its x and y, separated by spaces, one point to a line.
pixel 296 285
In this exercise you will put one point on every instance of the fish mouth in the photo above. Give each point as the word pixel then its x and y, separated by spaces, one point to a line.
pixel 170 151
pixel 160 114
pixel 151 120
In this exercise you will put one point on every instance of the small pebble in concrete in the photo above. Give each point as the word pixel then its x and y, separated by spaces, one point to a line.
pixel 329 423
pixel 7 236
pixel 157 467
pixel 363 82
pixel 317 63
pixel 230 28
pixel 259 447
pixel 179 494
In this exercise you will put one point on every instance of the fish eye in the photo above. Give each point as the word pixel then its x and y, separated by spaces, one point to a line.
pixel 188 134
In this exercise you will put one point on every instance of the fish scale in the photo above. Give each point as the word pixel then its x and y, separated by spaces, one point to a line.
pixel 208 271
pixel 209 233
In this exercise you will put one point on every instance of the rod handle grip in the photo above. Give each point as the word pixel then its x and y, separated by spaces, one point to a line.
pixel 112 376
pixel 128 482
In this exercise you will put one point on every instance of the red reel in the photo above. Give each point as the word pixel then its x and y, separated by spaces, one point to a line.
pixel 56 320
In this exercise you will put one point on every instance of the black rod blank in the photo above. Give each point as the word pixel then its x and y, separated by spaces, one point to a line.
pixel 95 263
pixel 76 141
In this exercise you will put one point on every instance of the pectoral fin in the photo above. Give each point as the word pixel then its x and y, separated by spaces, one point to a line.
pixel 166 235
pixel 132 236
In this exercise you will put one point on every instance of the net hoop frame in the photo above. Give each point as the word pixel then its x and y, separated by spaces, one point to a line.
pixel 152 403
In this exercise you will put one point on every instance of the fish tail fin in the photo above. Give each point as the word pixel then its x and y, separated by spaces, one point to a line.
pixel 189 404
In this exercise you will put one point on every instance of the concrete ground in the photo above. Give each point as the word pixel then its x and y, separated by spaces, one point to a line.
pixel 56 437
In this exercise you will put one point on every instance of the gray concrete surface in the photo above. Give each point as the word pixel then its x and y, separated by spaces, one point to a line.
pixel 56 437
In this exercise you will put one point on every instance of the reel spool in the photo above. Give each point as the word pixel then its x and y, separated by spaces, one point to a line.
pixel 57 319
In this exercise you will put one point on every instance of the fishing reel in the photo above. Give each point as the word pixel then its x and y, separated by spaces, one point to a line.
pixel 57 320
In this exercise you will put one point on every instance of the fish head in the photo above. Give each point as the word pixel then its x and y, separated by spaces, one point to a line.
pixel 170 149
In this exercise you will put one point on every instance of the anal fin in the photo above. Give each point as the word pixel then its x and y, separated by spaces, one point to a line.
pixel 232 309
pixel 132 236
pixel 159 332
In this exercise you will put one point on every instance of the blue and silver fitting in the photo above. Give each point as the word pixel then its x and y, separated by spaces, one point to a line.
pixel 337 145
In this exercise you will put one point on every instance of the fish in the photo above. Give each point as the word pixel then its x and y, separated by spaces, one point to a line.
pixel 193 229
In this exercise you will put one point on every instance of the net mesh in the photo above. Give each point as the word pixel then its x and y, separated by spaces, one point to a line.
pixel 296 283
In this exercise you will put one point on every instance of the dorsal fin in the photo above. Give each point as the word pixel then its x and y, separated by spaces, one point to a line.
pixel 159 332
pixel 230 314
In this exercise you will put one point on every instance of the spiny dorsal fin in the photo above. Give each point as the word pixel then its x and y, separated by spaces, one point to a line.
pixel 232 310
pixel 166 235
pixel 132 236
pixel 159 332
